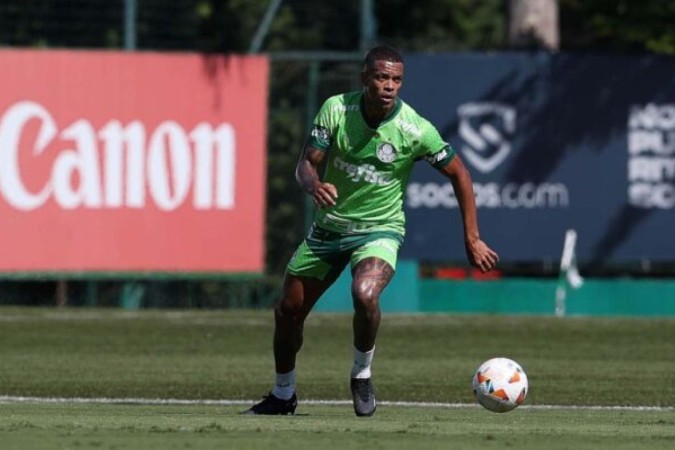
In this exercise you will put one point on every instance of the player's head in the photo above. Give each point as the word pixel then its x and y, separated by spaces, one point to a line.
pixel 382 76
pixel 381 53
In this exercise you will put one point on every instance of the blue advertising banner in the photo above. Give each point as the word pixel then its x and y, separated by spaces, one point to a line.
pixel 552 142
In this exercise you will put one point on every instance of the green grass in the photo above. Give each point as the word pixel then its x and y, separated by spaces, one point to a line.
pixel 227 355
pixel 30 426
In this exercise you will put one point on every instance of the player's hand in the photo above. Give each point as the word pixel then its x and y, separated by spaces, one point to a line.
pixel 325 195
pixel 481 256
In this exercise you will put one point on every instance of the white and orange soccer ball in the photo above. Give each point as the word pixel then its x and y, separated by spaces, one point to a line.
pixel 500 384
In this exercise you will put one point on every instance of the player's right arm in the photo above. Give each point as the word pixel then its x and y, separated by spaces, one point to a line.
pixel 307 175
pixel 318 144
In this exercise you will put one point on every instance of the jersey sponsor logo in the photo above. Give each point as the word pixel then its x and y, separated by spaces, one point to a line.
pixel 344 108
pixel 486 128
pixel 363 172
pixel 386 152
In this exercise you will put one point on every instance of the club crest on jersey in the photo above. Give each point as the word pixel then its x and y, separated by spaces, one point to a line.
pixel 386 152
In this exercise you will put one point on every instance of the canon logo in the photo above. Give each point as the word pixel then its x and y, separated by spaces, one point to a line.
pixel 118 165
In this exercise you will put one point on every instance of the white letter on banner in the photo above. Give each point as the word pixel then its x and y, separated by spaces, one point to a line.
pixel 117 139
pixel 223 139
pixel 11 127
pixel 169 192
pixel 83 160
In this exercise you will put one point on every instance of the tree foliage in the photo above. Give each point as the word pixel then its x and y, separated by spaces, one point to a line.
pixel 442 25
pixel 618 26
pixel 623 26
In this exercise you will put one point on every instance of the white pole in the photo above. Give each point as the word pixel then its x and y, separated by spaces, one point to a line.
pixel 565 265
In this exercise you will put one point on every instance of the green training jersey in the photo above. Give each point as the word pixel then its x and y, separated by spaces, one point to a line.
pixel 370 167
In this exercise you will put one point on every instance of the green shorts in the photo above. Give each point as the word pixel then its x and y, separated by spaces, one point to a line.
pixel 324 254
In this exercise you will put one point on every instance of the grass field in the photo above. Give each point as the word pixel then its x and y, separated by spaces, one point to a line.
pixel 91 378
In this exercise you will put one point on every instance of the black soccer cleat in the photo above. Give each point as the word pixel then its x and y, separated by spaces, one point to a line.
pixel 273 406
pixel 363 396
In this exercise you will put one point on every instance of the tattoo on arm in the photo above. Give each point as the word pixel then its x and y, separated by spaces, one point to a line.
pixel 306 172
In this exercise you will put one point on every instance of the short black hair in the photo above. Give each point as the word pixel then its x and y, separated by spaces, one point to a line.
pixel 381 53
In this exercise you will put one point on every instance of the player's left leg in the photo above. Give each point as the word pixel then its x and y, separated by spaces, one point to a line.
pixel 371 273
pixel 369 278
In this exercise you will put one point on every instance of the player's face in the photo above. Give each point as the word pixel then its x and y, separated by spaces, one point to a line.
pixel 382 83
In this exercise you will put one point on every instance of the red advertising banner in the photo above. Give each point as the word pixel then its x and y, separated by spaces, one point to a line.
pixel 128 162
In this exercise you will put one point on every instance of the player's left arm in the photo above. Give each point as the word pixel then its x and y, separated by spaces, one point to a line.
pixel 477 251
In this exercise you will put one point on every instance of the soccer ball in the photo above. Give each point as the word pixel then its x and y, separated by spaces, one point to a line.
pixel 500 384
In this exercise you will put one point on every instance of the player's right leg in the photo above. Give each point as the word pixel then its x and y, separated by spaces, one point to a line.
pixel 298 297
pixel 310 273
pixel 300 294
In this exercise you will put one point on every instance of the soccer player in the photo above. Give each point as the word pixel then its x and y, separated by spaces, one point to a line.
pixel 369 141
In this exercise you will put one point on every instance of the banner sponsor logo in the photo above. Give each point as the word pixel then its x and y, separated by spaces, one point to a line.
pixel 548 151
pixel 490 195
pixel 651 156
pixel 486 129
pixel 132 162
pixel 118 165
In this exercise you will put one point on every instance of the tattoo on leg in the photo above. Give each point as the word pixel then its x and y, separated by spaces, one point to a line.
pixel 373 275
pixel 370 276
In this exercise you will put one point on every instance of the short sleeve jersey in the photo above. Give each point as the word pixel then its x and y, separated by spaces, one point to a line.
pixel 371 167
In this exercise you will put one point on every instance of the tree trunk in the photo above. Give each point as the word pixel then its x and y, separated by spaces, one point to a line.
pixel 534 24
